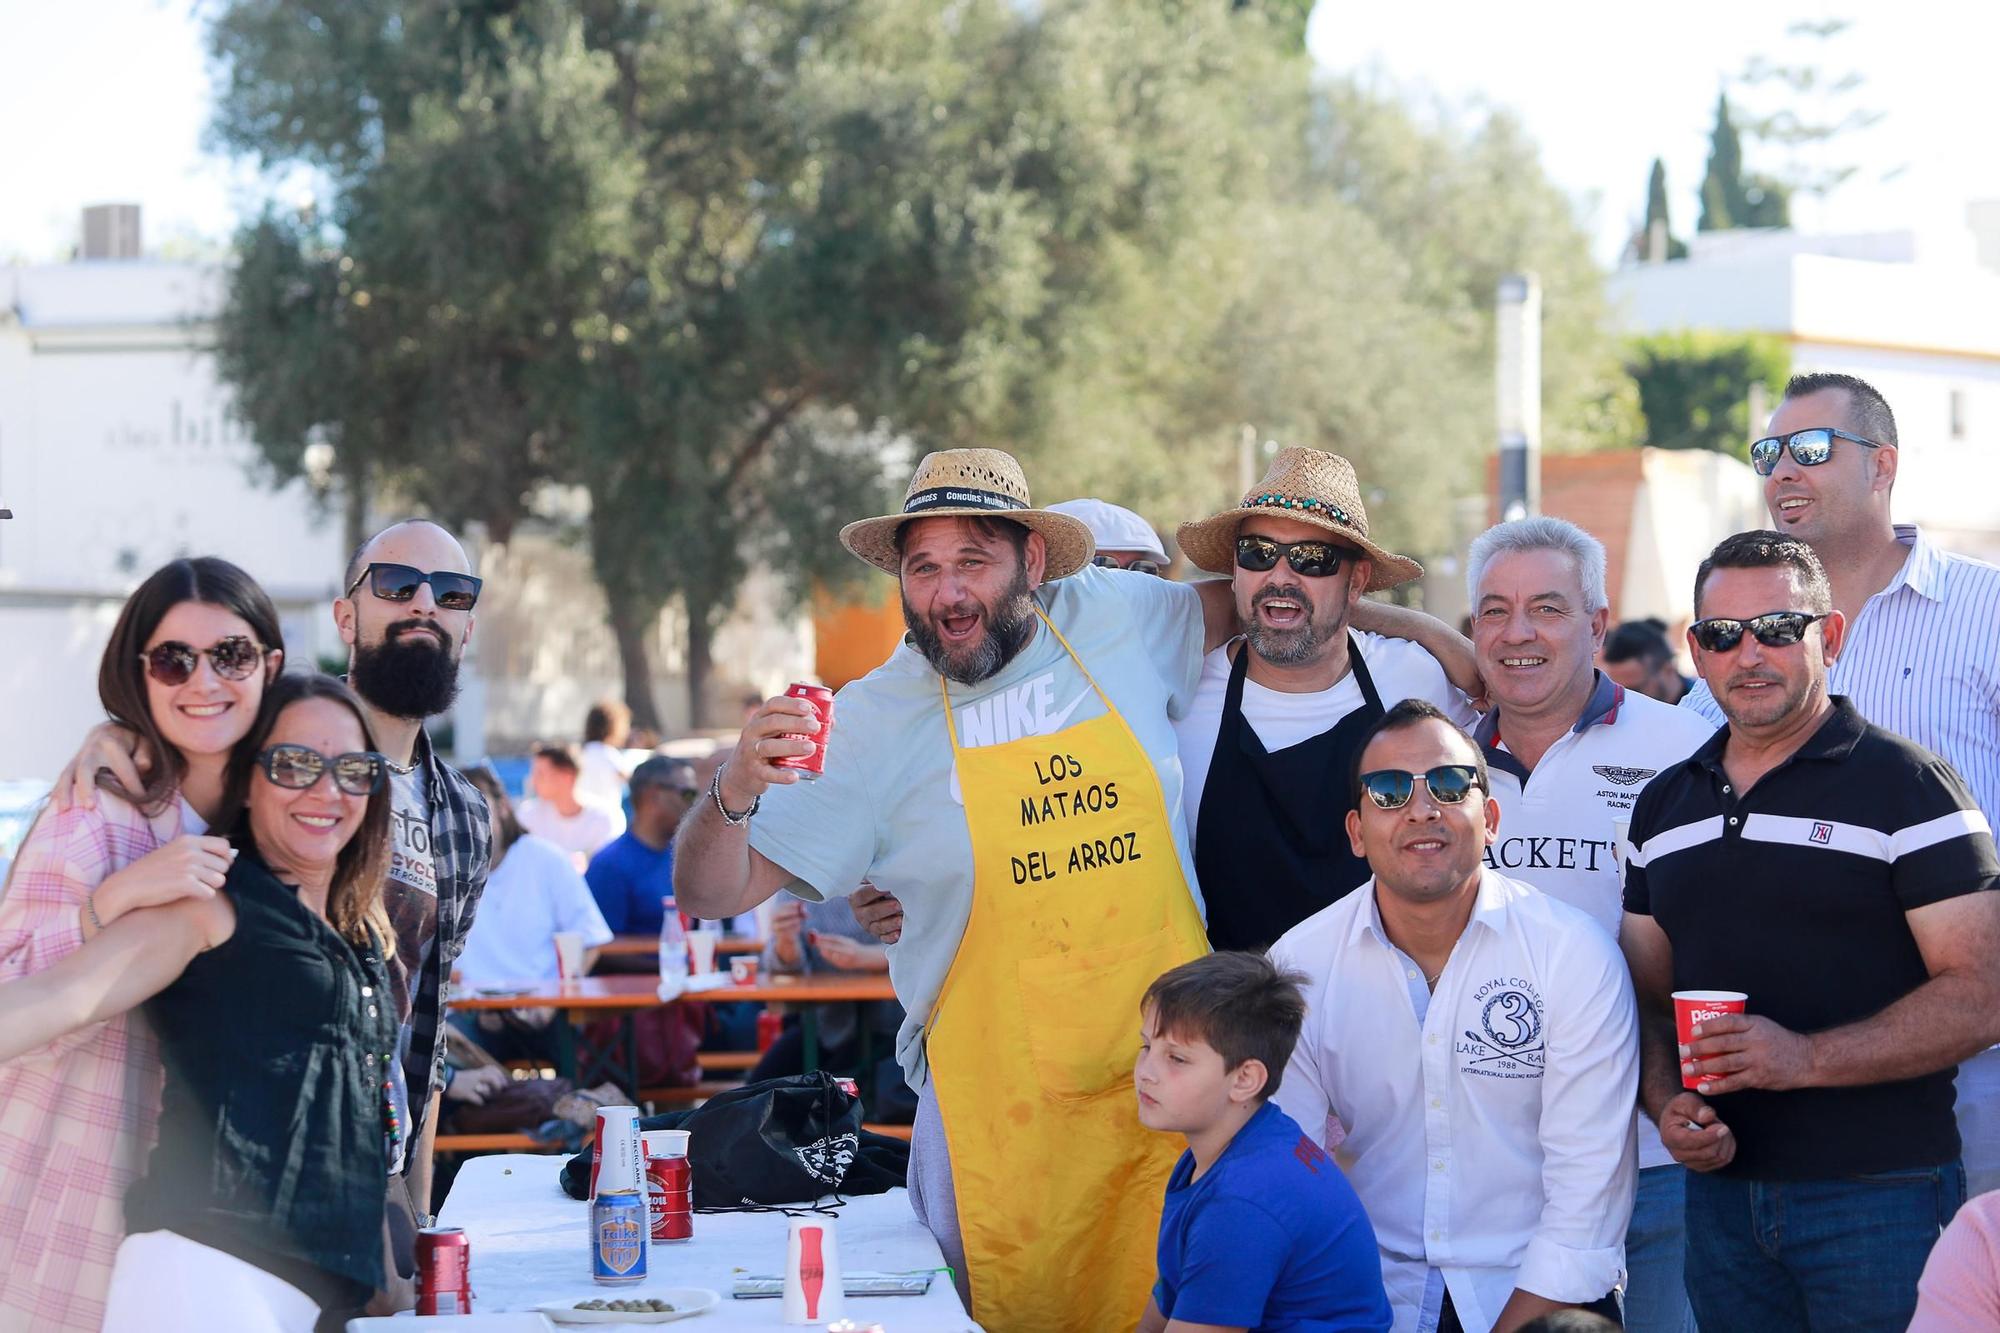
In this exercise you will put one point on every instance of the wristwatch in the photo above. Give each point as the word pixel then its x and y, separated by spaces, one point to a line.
pixel 729 817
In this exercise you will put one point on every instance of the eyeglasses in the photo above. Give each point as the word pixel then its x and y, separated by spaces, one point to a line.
pixel 399 583
pixel 1138 564
pixel 1314 560
pixel 1391 788
pixel 297 767
pixel 1774 629
pixel 1809 448
pixel 174 662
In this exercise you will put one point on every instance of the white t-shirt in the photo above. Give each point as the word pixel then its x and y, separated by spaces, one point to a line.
pixel 1562 834
pixel 888 807
pixel 602 773
pixel 1400 669
pixel 581 834
pixel 533 893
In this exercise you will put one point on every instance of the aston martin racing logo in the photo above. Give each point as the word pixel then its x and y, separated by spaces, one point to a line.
pixel 1624 777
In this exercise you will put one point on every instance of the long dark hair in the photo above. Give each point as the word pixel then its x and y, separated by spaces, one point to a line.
pixel 121 676
pixel 354 902
pixel 506 824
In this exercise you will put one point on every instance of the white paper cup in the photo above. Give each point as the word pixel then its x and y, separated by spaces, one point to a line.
pixel 702 945
pixel 569 956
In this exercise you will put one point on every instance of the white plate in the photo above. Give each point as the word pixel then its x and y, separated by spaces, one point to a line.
pixel 687 1301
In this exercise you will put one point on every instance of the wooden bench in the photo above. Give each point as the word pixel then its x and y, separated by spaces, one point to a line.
pixel 890 1131
pixel 741 1060
pixel 468 1143
pixel 700 1092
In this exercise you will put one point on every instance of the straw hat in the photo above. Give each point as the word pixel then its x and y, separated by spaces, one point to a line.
pixel 1306 486
pixel 981 483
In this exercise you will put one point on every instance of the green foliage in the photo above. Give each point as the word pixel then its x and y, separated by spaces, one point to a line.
pixel 725 265
pixel 1694 387
pixel 1730 197
pixel 1656 215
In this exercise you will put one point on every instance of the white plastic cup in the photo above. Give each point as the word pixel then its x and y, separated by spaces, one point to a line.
pixel 813 1293
pixel 569 956
pixel 702 944
pixel 617 1166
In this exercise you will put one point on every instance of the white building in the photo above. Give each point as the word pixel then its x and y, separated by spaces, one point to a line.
pixel 117 454
pixel 1916 315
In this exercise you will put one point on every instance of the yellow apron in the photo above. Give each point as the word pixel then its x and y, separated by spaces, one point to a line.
pixel 1078 902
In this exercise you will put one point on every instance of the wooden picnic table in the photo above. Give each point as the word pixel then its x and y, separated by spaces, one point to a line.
pixel 626 945
pixel 620 996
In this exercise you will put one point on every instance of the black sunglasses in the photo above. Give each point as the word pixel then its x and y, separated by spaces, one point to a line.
pixel 1810 448
pixel 1773 629
pixel 1138 565
pixel 1391 788
pixel 296 767
pixel 1314 560
pixel 399 583
pixel 174 662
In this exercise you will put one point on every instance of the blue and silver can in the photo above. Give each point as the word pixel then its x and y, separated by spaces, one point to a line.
pixel 618 1237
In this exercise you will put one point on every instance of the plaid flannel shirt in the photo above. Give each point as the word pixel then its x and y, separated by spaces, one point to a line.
pixel 462 846
pixel 79 1116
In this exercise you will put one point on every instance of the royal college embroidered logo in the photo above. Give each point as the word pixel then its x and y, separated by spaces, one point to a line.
pixel 1822 833
pixel 828 1159
pixel 1509 1042
pixel 1624 777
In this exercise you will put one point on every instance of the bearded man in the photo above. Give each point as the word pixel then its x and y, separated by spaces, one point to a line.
pixel 1010 774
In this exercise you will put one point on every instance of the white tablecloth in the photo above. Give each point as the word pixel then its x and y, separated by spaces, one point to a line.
pixel 530 1243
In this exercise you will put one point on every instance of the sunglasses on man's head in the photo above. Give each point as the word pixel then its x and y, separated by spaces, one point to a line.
pixel 296 767
pixel 1774 629
pixel 399 583
pixel 1138 564
pixel 1314 559
pixel 174 662
pixel 1391 788
pixel 1809 448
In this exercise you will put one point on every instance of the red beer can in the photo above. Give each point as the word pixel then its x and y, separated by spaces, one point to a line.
pixel 770 1027
pixel 444 1283
pixel 810 766
pixel 849 1086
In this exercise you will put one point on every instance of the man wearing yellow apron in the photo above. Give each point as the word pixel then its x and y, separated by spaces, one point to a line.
pixel 1010 774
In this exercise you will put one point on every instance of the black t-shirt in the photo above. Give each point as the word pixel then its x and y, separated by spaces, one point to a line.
pixel 1795 894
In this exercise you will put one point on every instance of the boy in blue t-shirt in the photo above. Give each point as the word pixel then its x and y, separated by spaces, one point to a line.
pixel 1261 1231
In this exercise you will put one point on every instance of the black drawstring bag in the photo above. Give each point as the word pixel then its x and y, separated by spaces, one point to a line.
pixel 774 1143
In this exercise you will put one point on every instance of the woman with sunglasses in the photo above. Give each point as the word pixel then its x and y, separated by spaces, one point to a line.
pixel 186 668
pixel 265 1195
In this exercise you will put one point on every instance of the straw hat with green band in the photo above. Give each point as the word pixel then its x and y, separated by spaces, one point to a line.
pixel 1306 486
pixel 973 483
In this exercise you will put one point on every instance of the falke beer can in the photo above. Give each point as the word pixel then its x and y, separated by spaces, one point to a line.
pixel 444 1265
pixel 618 1237
pixel 810 766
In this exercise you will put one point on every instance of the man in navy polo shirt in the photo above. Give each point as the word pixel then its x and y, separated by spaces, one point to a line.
pixel 1837 874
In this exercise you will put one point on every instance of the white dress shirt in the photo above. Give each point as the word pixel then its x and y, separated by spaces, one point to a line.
pixel 1486 1126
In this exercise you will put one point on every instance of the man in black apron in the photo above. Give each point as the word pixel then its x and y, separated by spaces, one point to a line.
pixel 1269 741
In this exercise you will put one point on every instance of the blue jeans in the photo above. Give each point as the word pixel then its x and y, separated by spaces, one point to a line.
pixel 1819 1255
pixel 1655 1297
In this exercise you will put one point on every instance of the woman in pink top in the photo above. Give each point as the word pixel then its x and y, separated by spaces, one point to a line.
pixel 185 669
pixel 1960 1289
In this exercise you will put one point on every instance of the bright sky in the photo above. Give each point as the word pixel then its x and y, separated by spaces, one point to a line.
pixel 113 109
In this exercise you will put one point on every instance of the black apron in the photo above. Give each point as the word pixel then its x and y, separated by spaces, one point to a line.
pixel 1270 845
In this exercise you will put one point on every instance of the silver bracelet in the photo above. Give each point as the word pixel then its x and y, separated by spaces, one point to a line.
pixel 715 793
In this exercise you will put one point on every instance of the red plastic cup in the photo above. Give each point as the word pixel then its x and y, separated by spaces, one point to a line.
pixel 1698 1006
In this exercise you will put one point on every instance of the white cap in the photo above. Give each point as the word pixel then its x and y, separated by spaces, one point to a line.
pixel 1115 527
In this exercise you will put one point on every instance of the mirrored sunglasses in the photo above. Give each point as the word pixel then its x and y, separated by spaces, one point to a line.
pixel 296 767
pixel 1312 559
pixel 1775 629
pixel 1809 448
pixel 174 662
pixel 1391 788
pixel 399 583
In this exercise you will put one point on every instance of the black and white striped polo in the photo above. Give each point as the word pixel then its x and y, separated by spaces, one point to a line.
pixel 1795 893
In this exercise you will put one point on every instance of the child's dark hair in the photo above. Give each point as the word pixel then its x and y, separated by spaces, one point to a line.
pixel 1239 1003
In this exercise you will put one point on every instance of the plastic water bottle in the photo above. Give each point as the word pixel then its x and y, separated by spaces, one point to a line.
pixel 673 950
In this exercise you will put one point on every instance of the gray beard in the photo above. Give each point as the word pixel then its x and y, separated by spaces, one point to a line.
pixel 1291 647
pixel 1008 628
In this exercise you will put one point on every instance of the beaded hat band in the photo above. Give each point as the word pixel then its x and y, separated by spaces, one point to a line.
pixel 1306 486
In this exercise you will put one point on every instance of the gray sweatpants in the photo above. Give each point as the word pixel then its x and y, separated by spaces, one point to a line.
pixel 931 1194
